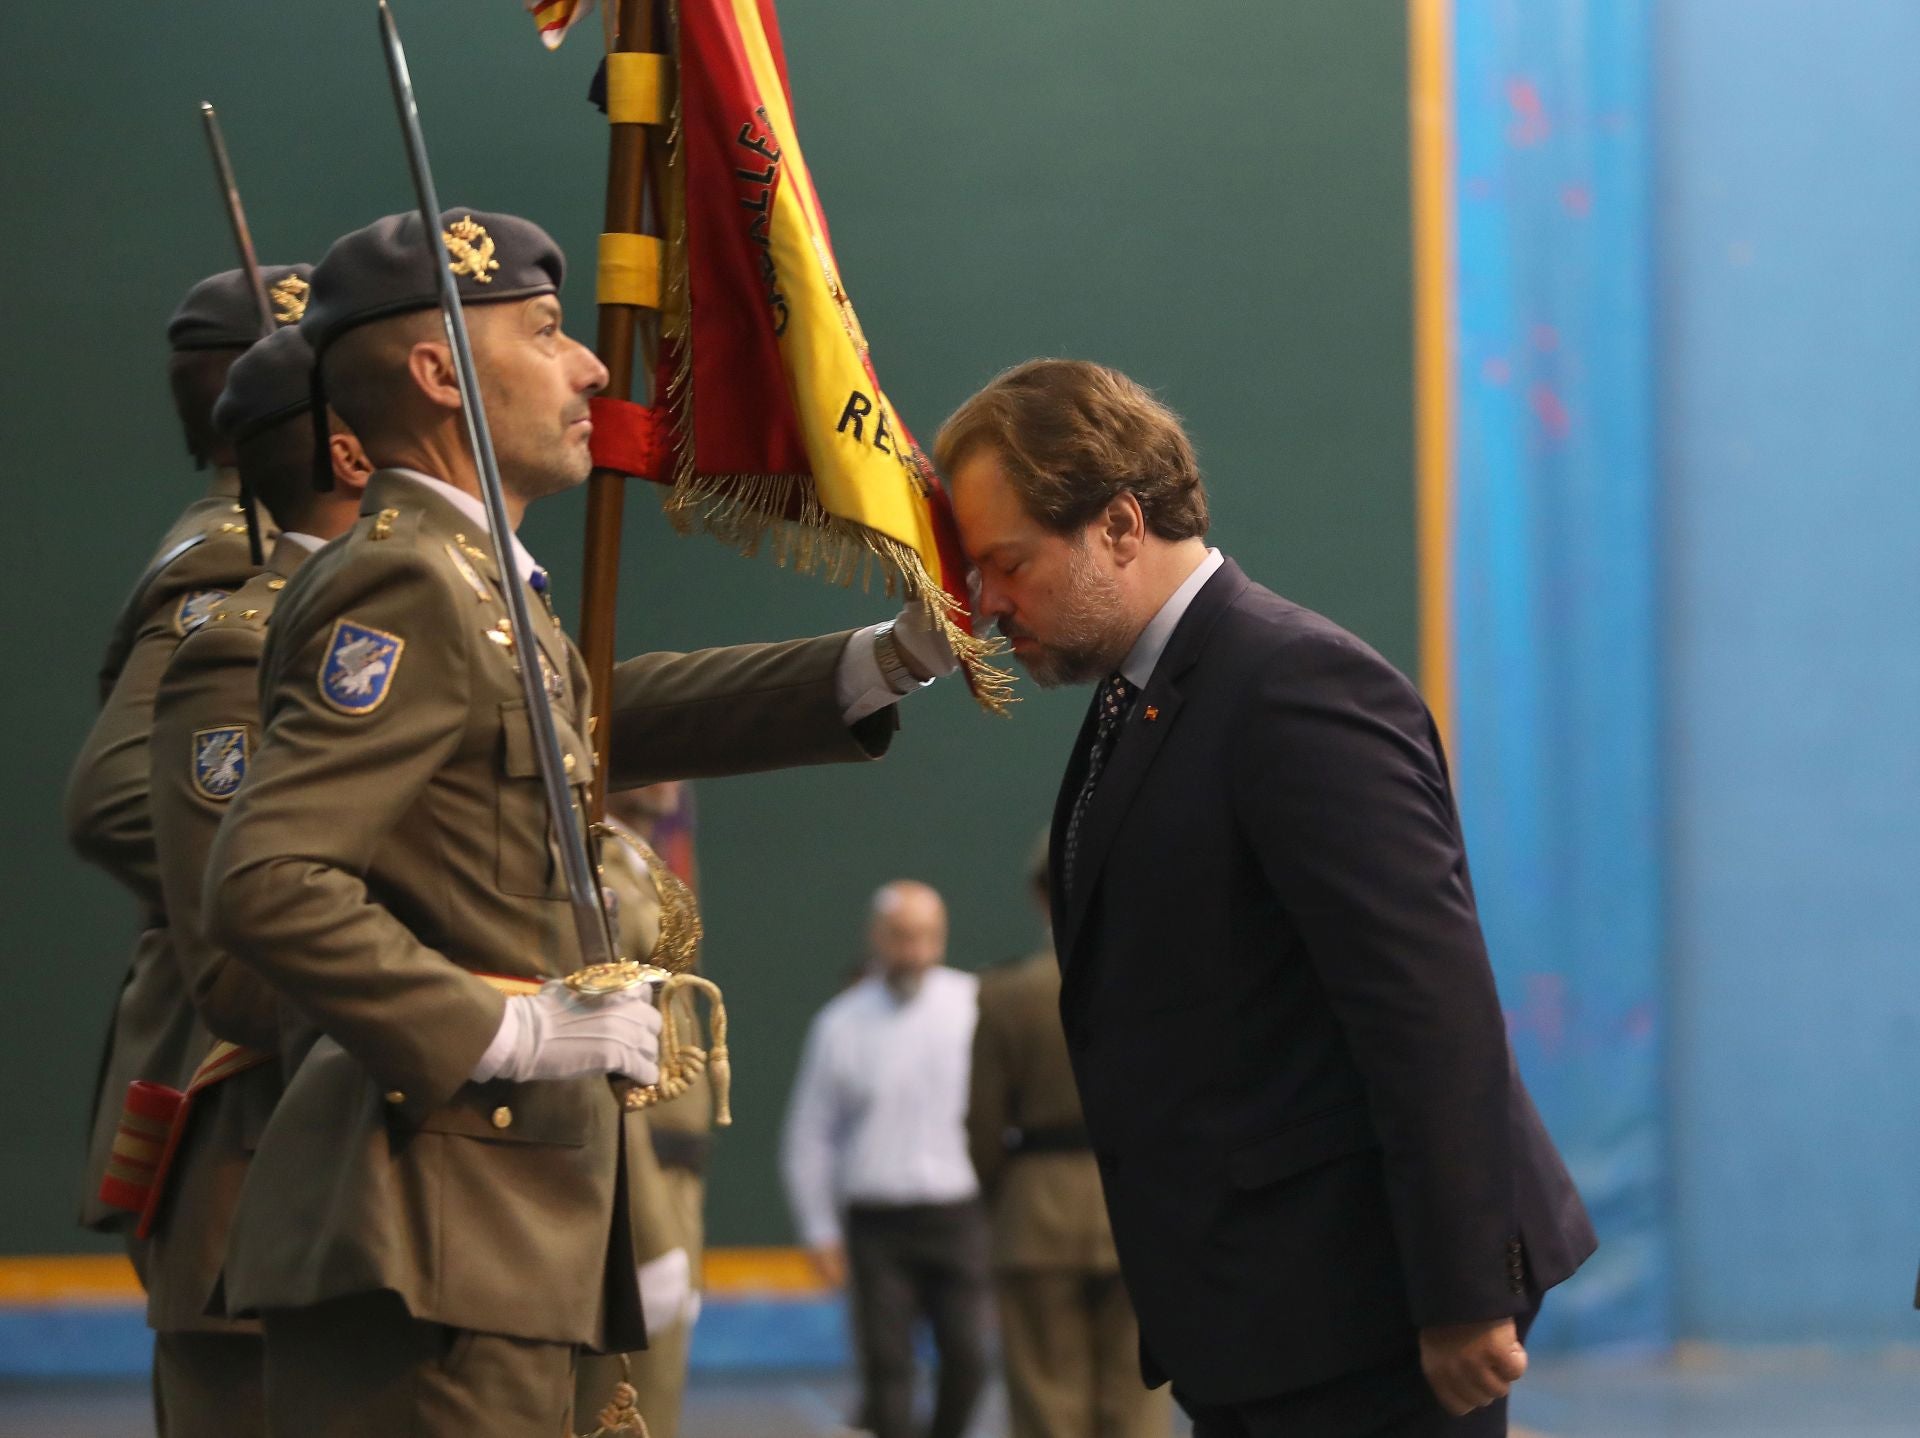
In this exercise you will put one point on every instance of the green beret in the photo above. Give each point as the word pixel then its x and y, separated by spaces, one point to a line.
pixel 381 270
pixel 269 383
pixel 220 313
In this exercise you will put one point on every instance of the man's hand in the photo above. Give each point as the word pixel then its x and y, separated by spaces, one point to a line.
pixel 555 1033
pixel 830 1262
pixel 1469 1365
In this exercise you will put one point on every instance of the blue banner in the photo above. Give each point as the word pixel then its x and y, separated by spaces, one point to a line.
pixel 1557 730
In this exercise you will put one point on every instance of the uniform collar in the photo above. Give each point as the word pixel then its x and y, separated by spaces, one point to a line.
pixel 470 507
pixel 290 551
pixel 1144 657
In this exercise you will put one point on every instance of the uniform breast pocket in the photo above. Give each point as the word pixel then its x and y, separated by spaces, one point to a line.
pixel 527 857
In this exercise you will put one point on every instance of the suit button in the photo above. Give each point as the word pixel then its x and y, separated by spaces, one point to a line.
pixel 395 1096
pixel 502 1116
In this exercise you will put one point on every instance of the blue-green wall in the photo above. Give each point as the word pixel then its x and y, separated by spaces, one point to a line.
pixel 1210 195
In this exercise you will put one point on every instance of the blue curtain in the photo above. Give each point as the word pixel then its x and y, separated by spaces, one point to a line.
pixel 1556 740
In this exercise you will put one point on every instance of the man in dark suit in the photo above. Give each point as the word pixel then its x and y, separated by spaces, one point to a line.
pixel 1335 1205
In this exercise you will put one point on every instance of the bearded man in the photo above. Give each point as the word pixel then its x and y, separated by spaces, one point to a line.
pixel 1335 1206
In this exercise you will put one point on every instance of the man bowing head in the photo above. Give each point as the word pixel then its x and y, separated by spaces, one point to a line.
pixel 1335 1206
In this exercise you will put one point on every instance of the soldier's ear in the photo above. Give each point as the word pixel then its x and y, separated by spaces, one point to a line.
pixel 430 365
pixel 350 463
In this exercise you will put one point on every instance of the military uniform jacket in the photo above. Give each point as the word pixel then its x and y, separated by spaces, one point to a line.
pixel 206 726
pixel 389 844
pixel 201 559
pixel 1046 1207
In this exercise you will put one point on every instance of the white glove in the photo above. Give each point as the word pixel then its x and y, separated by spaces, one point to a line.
pixel 667 1295
pixel 559 1034
pixel 917 632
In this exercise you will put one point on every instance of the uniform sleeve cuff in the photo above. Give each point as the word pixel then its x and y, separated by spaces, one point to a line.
pixel 858 683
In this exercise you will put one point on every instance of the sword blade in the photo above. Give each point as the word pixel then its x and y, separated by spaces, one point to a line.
pixel 250 264
pixel 589 913
pixel 237 216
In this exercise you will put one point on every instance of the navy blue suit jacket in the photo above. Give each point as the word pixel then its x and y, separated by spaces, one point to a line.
pixel 1282 1020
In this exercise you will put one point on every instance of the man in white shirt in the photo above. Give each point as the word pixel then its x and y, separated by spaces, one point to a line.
pixel 876 1167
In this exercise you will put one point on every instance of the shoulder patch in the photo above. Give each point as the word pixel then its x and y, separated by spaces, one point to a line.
pixel 195 609
pixel 219 761
pixel 358 667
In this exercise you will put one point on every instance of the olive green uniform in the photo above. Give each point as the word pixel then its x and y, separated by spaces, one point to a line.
pixel 1068 1336
pixel 151 1034
pixel 666 1153
pixel 422 1248
pixel 206 722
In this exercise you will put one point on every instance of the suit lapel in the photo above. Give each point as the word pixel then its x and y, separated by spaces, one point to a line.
pixel 1155 711
pixel 1133 754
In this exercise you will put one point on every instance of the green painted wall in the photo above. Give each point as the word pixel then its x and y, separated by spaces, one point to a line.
pixel 1211 196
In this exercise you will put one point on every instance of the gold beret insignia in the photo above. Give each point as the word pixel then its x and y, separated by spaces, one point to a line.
pixel 289 298
pixel 472 250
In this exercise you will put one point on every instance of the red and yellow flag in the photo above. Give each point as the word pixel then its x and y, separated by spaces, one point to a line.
pixel 554 18
pixel 778 430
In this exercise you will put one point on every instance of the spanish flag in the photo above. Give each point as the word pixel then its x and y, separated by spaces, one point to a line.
pixel 553 18
pixel 778 432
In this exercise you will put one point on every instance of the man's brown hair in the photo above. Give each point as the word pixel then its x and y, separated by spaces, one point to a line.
pixel 1071 435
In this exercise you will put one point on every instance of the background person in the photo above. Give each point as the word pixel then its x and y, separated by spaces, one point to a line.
pixel 875 1161
pixel 1069 1343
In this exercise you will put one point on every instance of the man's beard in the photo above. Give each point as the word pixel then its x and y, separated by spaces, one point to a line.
pixel 533 466
pixel 1091 633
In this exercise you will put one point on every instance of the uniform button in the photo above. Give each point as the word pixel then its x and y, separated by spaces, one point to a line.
pixel 568 763
pixel 502 1116
pixel 395 1096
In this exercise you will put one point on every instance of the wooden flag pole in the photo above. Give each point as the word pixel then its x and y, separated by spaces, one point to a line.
pixel 620 327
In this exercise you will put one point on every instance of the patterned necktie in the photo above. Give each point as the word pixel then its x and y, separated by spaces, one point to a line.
pixel 1115 701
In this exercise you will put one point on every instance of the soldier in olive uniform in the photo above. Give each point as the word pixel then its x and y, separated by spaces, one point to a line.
pixel 208 1368
pixel 201 559
pixel 657 921
pixel 1068 1338
pixel 435 1220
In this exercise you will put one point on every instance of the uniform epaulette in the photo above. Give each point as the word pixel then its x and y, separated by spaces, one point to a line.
pixel 225 519
pixel 250 606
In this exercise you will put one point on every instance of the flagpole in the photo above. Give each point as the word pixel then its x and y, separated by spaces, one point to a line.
pixel 621 325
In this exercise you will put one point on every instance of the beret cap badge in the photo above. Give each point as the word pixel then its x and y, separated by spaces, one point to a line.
pixel 472 250
pixel 289 298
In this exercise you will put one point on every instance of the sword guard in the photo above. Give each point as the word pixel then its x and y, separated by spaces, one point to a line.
pixel 614 978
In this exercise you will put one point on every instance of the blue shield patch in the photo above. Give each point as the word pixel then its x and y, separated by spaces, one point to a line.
pixel 219 760
pixel 196 609
pixel 358 668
